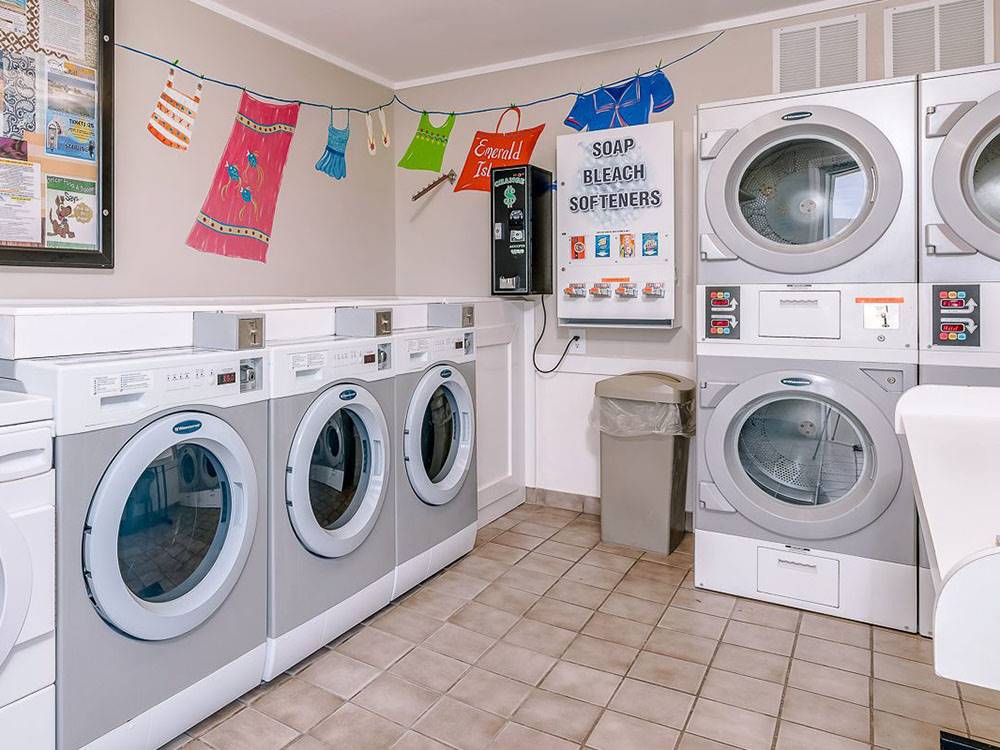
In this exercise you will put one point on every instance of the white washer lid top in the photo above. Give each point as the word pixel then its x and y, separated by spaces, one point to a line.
pixel 18 408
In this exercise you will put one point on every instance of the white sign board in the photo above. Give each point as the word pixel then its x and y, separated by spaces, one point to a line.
pixel 616 247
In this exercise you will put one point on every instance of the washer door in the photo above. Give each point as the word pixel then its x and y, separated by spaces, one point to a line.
pixel 15 584
pixel 803 455
pixel 799 191
pixel 439 434
pixel 966 177
pixel 335 483
pixel 159 561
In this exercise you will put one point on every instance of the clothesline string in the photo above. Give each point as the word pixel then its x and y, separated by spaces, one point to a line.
pixel 395 97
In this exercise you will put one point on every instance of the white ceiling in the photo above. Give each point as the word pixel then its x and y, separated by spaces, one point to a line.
pixel 418 41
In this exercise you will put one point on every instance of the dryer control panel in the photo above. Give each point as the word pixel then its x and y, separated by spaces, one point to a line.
pixel 722 312
pixel 957 313
pixel 873 316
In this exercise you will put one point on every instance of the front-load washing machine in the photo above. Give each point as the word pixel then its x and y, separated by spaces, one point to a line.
pixel 331 506
pixel 803 495
pixel 27 573
pixel 812 187
pixel 161 603
pixel 435 451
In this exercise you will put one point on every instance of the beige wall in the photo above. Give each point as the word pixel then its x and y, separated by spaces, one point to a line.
pixel 329 237
pixel 443 241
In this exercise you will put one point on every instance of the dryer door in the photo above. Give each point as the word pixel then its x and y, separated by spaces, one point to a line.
pixel 966 176
pixel 336 479
pixel 799 191
pixel 159 560
pixel 15 583
pixel 803 455
pixel 439 434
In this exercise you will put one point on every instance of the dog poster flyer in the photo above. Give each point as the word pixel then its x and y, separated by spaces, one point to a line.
pixel 70 213
pixel 20 201
pixel 71 111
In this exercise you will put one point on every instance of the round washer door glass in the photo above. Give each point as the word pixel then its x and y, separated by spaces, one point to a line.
pixel 801 192
pixel 439 435
pixel 169 538
pixel 15 583
pixel 162 550
pixel 986 181
pixel 335 481
pixel 802 451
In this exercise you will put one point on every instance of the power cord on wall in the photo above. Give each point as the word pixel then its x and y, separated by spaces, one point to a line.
pixel 534 352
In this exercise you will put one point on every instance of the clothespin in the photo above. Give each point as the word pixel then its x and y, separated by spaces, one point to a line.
pixel 659 65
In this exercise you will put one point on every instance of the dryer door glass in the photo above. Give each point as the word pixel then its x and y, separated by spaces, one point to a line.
pixel 439 434
pixel 801 192
pixel 340 469
pixel 171 526
pixel 986 181
pixel 171 532
pixel 802 451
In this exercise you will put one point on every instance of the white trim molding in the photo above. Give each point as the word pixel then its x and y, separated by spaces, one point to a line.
pixel 801 9
pixel 292 41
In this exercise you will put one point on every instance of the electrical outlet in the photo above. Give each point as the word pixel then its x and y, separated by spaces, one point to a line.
pixel 580 345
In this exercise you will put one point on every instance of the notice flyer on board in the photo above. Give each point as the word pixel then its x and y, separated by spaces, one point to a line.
pixel 70 110
pixel 62 26
pixel 20 202
pixel 70 213
pixel 14 17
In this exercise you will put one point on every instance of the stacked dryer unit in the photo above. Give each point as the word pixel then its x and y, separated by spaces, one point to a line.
pixel 27 573
pixel 807 338
pixel 435 444
pixel 959 240
pixel 161 601
pixel 331 507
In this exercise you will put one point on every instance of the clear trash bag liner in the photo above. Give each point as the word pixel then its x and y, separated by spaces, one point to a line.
pixel 626 418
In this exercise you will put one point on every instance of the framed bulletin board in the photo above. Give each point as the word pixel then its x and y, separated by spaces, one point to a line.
pixel 56 133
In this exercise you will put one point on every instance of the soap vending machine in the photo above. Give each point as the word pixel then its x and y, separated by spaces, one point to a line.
pixel 615 242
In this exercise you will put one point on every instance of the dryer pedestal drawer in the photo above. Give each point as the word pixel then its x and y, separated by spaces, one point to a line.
pixel 808 578
pixel 856 588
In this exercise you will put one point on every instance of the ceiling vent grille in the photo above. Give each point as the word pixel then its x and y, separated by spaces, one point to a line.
pixel 826 53
pixel 938 35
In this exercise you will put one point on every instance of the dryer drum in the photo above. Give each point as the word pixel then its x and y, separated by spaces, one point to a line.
pixel 801 451
pixel 802 191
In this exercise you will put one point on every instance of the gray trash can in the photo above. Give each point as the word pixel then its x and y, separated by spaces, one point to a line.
pixel 647 421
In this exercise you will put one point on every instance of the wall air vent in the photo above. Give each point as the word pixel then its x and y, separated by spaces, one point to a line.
pixel 938 35
pixel 825 53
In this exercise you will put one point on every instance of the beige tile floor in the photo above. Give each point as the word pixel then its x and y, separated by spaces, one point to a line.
pixel 544 638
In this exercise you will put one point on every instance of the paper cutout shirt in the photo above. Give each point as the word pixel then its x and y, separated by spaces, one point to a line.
pixel 626 104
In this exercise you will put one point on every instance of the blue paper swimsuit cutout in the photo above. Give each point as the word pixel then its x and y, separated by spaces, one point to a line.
pixel 334 161
pixel 626 104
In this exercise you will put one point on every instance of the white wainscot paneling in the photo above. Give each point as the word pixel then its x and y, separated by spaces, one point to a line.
pixel 567 431
pixel 500 409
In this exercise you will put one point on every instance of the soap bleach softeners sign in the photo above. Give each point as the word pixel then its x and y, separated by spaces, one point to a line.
pixel 616 250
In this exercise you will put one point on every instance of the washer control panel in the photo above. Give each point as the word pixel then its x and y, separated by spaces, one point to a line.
pixel 722 312
pixel 957 312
